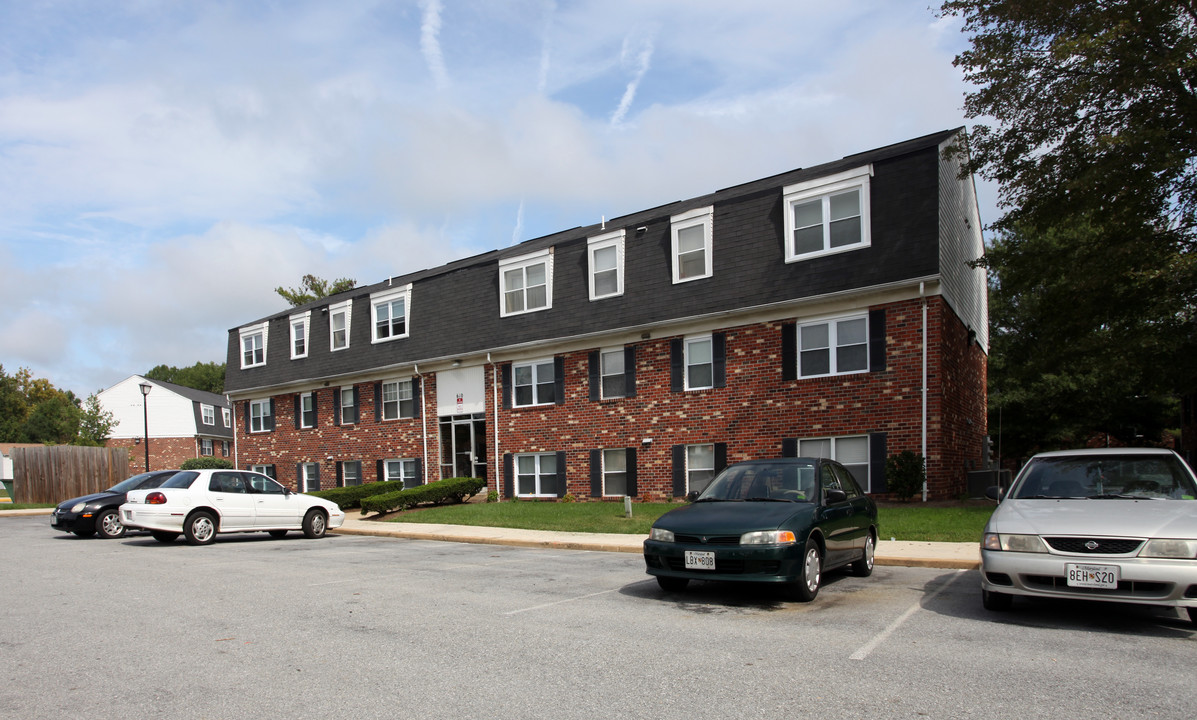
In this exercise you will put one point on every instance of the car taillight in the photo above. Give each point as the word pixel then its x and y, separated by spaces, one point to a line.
pixel 155 498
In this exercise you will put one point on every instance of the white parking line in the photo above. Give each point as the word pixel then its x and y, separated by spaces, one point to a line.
pixel 880 637
pixel 558 602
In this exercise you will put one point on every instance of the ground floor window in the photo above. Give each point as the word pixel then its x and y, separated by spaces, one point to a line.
pixel 402 471
pixel 700 467
pixel 536 474
pixel 615 472
pixel 851 451
pixel 309 477
pixel 206 446
pixel 350 472
pixel 267 470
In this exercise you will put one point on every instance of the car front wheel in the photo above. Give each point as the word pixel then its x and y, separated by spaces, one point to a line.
pixel 200 529
pixel 314 524
pixel 995 600
pixel 864 566
pixel 672 584
pixel 806 587
pixel 108 525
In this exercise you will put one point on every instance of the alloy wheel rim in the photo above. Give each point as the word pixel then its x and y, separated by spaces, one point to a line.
pixel 203 529
pixel 870 550
pixel 812 569
pixel 318 524
pixel 111 525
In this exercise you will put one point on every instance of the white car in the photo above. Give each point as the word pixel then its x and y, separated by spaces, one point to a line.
pixel 1118 525
pixel 201 503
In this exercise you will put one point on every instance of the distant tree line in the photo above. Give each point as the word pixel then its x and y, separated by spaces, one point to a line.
pixel 32 410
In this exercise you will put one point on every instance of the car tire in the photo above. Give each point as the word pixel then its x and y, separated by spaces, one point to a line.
pixel 84 533
pixel 806 587
pixel 200 528
pixel 996 601
pixel 314 524
pixel 278 533
pixel 864 566
pixel 672 584
pixel 164 537
pixel 108 525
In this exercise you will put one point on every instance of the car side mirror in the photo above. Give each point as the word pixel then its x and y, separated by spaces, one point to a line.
pixel 692 496
pixel 836 496
pixel 995 492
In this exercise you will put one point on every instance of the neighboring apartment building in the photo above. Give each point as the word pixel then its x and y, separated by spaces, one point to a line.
pixel 827 311
pixel 180 422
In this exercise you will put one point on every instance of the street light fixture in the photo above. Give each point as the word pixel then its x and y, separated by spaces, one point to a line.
pixel 145 411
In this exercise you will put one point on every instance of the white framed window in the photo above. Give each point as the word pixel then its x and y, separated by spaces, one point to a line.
pixel 827 215
pixel 851 451
pixel 534 383
pixel 837 346
pixel 340 316
pixel 536 475
pixel 227 416
pixel 613 373
pixel 309 477
pixel 351 473
pixel 206 447
pixel 307 410
pixel 692 251
pixel 389 312
pixel 267 470
pixel 615 472
pixel 347 398
pixel 403 471
pixel 253 345
pixel 224 448
pixel 526 283
pixel 208 413
pixel 398 400
pixel 260 417
pixel 299 334
pixel 700 363
pixel 605 260
pixel 700 467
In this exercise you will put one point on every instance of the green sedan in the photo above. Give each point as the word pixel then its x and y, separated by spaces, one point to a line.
pixel 774 521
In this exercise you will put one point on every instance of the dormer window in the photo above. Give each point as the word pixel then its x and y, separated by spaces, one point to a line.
pixel 339 316
pixel 389 309
pixel 605 258
pixel 827 215
pixel 253 345
pixel 526 283
pixel 692 251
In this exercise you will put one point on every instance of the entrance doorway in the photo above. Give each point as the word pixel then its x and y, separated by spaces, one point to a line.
pixel 463 446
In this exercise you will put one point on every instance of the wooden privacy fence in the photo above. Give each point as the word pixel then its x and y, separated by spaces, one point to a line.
pixel 61 472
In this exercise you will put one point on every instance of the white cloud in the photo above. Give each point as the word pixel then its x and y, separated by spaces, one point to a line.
pixel 430 44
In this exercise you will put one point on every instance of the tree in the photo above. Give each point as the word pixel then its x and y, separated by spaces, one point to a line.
pixel 54 421
pixel 206 376
pixel 1089 112
pixel 14 408
pixel 95 423
pixel 314 288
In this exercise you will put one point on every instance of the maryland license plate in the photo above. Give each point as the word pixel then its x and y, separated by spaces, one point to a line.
pixel 698 560
pixel 1104 577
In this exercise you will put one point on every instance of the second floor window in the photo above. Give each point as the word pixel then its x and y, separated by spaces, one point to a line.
pixel 833 347
pixel 307 410
pixel 700 366
pixel 398 400
pixel 209 414
pixel 534 383
pixel 261 415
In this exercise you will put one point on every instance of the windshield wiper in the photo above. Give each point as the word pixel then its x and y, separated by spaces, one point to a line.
pixel 1116 496
pixel 713 499
pixel 766 499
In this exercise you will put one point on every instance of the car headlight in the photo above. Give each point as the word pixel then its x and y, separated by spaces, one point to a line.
pixel 660 534
pixel 1169 548
pixel 768 537
pixel 78 507
pixel 1013 543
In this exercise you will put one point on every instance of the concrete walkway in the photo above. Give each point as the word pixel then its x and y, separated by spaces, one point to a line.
pixel 889 552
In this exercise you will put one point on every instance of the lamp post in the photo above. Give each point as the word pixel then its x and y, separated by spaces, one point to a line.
pixel 145 411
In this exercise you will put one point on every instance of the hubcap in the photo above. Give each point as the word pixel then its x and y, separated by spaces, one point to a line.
pixel 202 528
pixel 869 552
pixel 318 524
pixel 812 569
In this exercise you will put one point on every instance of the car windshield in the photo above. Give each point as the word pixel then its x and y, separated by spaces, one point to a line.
pixel 781 482
pixel 128 484
pixel 181 480
pixel 1107 477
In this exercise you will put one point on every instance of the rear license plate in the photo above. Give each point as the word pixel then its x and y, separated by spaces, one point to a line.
pixel 696 560
pixel 1092 576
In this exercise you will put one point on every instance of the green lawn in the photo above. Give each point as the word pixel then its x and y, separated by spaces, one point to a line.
pixel 962 523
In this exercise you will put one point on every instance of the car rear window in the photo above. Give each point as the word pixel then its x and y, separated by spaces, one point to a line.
pixel 181 480
pixel 1108 476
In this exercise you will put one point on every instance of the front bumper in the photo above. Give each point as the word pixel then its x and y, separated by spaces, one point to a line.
pixel 1148 581
pixel 739 563
pixel 72 522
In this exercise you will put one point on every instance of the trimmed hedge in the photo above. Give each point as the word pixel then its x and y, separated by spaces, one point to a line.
pixel 206 463
pixel 441 492
pixel 351 496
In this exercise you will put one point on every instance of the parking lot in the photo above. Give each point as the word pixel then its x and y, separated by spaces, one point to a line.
pixel 369 627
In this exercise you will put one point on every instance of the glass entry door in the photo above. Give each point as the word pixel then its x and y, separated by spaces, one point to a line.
pixel 463 446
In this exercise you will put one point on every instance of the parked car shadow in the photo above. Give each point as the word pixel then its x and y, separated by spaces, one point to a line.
pixel 705 597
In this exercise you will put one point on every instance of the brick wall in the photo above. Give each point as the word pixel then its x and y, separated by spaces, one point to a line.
pixel 164 452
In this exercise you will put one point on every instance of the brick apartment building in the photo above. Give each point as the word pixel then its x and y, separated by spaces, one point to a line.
pixel 824 311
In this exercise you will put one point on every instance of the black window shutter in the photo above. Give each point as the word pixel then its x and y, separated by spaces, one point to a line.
pixel 877 340
pixel 559 379
pixel 417 400
pixel 720 457
pixel 507 386
pixel 789 447
pixel 719 357
pixel 299 477
pixel 337 407
pixel 877 451
pixel 593 360
pixel 677 365
pixel 679 470
pixel 596 472
pixel 789 351
pixel 270 419
pixel 508 472
pixel 379 471
pixel 357 406
pixel 561 482
pixel 340 475
pixel 630 461
pixel 419 471
pixel 315 405
pixel 377 402
pixel 629 371
pixel 298 409
pixel 248 420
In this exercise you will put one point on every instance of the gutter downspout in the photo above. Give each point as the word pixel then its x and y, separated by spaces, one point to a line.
pixel 923 298
pixel 423 416
pixel 494 391
pixel 233 413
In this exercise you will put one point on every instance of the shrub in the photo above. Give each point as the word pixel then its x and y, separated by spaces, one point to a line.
pixel 206 463
pixel 904 474
pixel 351 496
pixel 441 492
pixel 492 496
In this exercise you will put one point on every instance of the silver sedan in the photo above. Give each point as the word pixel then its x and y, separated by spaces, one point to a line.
pixel 1118 525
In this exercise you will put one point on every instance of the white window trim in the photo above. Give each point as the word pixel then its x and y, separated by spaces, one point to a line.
pixel 539 475
pixel 304 478
pixel 250 331
pixel 535 396
pixel 398 399
pixel 686 342
pixel 601 242
pixel 227 416
pixel 868 462
pixel 389 296
pixel 523 261
pixel 208 414
pixel 603 352
pixel 265 405
pixel 687 462
pixel 304 319
pixel 357 468
pixel 207 447
pixel 832 324
pixel 404 464
pixel 345 307
pixel 825 187
pixel 311 395
pixel 699 217
pixel 603 460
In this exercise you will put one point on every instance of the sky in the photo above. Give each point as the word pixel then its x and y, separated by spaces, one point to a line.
pixel 165 165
